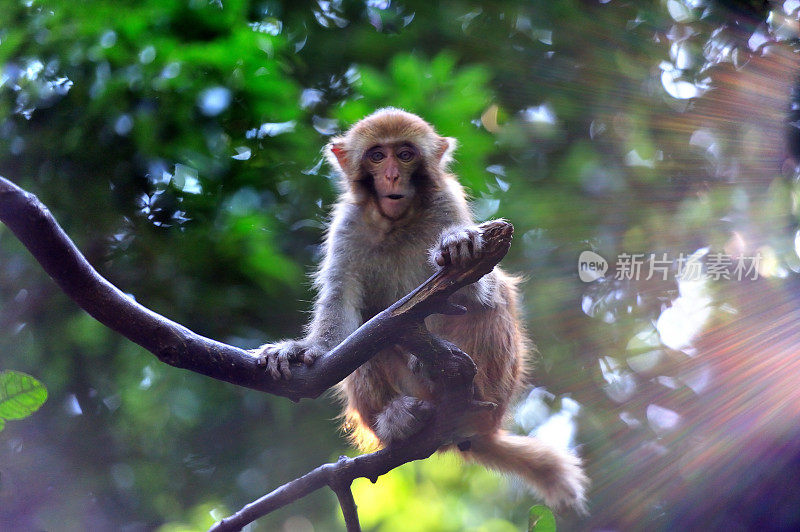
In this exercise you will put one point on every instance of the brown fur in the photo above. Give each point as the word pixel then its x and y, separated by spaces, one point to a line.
pixel 371 261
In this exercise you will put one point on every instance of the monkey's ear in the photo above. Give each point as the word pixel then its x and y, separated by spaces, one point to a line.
pixel 444 151
pixel 337 156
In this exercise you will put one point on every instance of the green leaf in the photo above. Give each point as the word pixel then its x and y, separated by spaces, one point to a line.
pixel 541 519
pixel 20 395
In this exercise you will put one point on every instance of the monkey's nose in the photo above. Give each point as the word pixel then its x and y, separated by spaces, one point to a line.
pixel 391 171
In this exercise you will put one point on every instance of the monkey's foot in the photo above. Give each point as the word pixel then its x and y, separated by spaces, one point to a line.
pixel 278 358
pixel 402 418
pixel 457 246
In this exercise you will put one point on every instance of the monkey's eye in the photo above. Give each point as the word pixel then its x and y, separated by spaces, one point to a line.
pixel 406 155
pixel 376 156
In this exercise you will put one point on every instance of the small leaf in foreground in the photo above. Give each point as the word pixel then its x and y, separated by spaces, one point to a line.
pixel 541 519
pixel 20 395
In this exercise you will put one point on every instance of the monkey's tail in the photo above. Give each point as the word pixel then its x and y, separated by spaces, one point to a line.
pixel 553 473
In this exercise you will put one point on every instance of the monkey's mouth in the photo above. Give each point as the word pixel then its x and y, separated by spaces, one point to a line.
pixel 394 206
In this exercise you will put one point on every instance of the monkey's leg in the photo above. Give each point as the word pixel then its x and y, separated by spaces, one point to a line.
pixel 402 418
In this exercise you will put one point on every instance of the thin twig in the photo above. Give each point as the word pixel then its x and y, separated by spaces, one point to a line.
pixel 346 502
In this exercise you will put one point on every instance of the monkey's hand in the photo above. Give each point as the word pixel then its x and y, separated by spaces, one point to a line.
pixel 279 356
pixel 457 245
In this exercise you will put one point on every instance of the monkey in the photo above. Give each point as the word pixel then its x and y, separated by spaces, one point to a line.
pixel 400 215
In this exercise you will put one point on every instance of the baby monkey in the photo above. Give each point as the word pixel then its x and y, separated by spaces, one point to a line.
pixel 399 216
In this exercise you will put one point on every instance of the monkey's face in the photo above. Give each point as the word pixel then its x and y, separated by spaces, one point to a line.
pixel 391 167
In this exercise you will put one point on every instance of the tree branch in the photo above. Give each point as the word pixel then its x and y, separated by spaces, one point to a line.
pixel 348 504
pixel 178 346
pixel 450 369
pixel 452 375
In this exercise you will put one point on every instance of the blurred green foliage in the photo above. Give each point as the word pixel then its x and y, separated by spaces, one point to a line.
pixel 437 494
pixel 179 143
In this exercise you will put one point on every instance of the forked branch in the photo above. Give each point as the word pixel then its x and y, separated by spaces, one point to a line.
pixel 452 378
pixel 403 323
pixel 451 370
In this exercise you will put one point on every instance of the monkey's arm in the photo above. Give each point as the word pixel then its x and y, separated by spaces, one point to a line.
pixel 337 310
pixel 337 313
